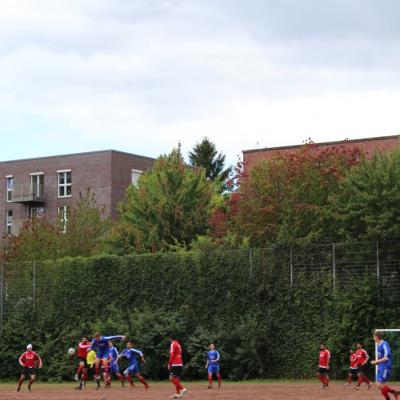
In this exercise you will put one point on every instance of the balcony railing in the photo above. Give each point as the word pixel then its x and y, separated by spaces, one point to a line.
pixel 27 193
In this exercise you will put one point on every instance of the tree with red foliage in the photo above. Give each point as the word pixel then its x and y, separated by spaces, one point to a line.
pixel 284 199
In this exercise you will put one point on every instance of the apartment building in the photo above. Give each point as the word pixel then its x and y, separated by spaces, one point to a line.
pixel 368 145
pixel 48 186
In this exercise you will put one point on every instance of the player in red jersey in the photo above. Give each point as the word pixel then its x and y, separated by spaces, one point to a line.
pixel 175 366
pixel 29 362
pixel 353 369
pixel 323 365
pixel 82 371
pixel 362 360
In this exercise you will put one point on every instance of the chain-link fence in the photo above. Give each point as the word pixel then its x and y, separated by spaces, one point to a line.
pixel 22 284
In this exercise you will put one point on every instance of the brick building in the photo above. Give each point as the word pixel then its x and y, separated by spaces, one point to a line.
pixel 50 185
pixel 369 146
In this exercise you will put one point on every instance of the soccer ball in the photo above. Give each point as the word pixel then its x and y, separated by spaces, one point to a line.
pixel 71 351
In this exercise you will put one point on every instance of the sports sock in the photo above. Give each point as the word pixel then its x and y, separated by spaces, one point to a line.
pixel 385 392
pixel 366 380
pixel 177 384
pixel 219 379
pixel 210 379
pixel 327 380
pixel 97 368
pixel 141 379
pixel 20 381
pixel 321 378
pixel 129 378
pixel 349 379
pixel 31 382
pixel 79 370
pixel 120 377
pixel 360 381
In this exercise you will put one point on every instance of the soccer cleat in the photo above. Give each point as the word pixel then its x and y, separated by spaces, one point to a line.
pixel 347 384
pixel 209 386
pixel 369 385
pixel 131 386
pixel 29 388
pixel 357 388
pixel 146 387
pixel 18 389
pixel 174 396
pixel 76 377
pixel 183 392
pixel 123 384
pixel 396 394
pixel 78 387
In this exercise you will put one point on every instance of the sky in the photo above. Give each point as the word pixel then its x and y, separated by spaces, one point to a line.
pixel 144 75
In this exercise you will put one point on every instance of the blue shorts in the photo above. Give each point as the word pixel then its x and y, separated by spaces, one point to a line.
pixel 132 370
pixel 114 368
pixel 213 368
pixel 383 375
pixel 102 354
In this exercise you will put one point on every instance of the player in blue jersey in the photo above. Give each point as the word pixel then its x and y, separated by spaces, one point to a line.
pixel 132 354
pixel 212 366
pixel 384 363
pixel 100 346
pixel 113 359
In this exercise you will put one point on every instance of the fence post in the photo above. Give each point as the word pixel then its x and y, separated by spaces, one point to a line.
pixel 378 266
pixel 251 262
pixel 1 294
pixel 34 285
pixel 334 266
pixel 291 266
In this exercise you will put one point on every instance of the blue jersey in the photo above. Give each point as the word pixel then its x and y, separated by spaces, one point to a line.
pixel 383 350
pixel 113 353
pixel 131 355
pixel 213 357
pixel 102 344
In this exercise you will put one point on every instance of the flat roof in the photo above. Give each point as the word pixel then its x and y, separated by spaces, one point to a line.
pixel 324 143
pixel 77 154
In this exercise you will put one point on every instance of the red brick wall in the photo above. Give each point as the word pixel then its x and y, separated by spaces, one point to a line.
pixel 369 146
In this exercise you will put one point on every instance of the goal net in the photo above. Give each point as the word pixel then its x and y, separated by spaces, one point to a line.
pixel 392 336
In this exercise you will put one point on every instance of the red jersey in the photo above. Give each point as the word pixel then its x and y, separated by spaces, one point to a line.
pixel 353 361
pixel 83 349
pixel 175 354
pixel 29 359
pixel 324 357
pixel 362 356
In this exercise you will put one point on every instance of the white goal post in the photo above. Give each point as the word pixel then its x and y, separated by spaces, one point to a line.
pixel 376 346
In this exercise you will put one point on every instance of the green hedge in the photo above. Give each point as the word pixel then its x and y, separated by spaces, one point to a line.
pixel 262 326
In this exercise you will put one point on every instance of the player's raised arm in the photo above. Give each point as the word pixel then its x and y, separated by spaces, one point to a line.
pixel 116 337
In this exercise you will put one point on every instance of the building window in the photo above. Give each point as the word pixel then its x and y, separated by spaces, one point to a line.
pixel 64 183
pixel 9 222
pixel 37 186
pixel 10 187
pixel 63 215
pixel 136 174
pixel 37 212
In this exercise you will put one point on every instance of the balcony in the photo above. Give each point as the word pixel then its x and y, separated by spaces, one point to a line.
pixel 28 194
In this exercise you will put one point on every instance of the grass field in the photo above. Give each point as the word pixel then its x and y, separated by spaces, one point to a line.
pixel 254 390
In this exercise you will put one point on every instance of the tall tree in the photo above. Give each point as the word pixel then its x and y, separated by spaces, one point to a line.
pixel 205 155
pixel 170 206
pixel 367 204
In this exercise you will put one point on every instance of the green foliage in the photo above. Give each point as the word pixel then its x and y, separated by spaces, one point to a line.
pixel 367 204
pixel 205 155
pixel 85 230
pixel 262 326
pixel 170 206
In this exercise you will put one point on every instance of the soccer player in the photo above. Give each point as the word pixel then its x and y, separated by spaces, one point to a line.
pixel 323 366
pixel 114 368
pixel 82 371
pixel 131 355
pixel 212 366
pixel 175 366
pixel 29 362
pixel 353 370
pixel 100 345
pixel 362 360
pixel 384 363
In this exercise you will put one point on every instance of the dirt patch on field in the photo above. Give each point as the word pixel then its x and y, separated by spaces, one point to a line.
pixel 195 392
